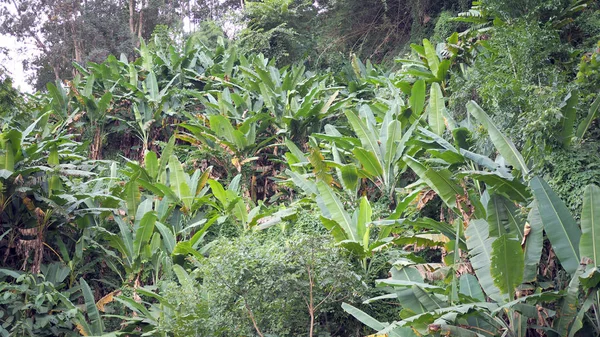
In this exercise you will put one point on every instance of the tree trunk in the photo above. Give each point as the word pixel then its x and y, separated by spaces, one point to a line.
pixel 96 147
pixel 77 45
pixel 131 17
pixel 140 23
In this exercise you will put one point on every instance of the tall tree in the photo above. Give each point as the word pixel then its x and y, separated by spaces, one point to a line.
pixel 82 30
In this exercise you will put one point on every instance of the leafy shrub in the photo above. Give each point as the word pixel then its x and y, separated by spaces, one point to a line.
pixel 32 306
pixel 268 280
pixel 569 171
pixel 190 317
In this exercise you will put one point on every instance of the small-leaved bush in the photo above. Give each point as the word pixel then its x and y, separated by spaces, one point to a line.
pixel 271 280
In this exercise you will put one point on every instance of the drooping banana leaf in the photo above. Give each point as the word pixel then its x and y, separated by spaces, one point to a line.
pixel 480 249
pixel 589 246
pixel 561 229
pixel 507 264
pixel 504 145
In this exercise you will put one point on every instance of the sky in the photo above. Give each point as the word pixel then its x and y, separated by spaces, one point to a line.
pixel 13 62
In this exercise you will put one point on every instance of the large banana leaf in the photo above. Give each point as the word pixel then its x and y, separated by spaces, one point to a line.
pixel 364 221
pixel 480 248
pixel 561 228
pixel 585 124
pixel 569 113
pixel 179 182
pixel 144 233
pixel 364 317
pixel 440 181
pixel 534 242
pixel 567 311
pixel 92 311
pixel 507 264
pixel 365 135
pixel 511 188
pixel 589 246
pixel 504 145
pixel 431 56
pixel 502 217
pixel 436 109
pixel 417 97
pixel 336 210
pixel 469 285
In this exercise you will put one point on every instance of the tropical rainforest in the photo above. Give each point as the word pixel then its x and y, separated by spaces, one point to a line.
pixel 277 168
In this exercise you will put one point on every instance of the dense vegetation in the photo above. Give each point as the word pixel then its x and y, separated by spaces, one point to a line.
pixel 270 185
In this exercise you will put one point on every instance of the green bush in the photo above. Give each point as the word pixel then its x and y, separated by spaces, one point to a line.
pixel 32 306
pixel 269 280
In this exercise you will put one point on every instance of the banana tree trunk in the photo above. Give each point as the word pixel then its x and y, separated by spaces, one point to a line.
pixel 96 147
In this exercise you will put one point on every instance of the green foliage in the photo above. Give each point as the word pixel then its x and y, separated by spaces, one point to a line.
pixel 252 198
pixel 237 273
pixel 33 306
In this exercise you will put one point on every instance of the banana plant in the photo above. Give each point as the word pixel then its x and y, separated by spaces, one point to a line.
pixel 352 232
pixel 298 100
pixel 500 265
pixel 431 66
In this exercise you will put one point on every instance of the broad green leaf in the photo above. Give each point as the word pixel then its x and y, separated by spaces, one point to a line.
pixel 337 211
pixel 507 264
pixel 569 113
pixel 504 145
pixel 480 249
pixel 585 124
pixel 91 309
pixel 309 187
pixel 365 135
pixel 469 285
pixel 364 317
pixel 392 143
pixel 164 159
pixel 136 307
pixel 440 181
pixel 496 216
pixel 350 177
pixel 567 311
pixel 126 237
pixel 144 233
pixel 179 183
pixel 513 189
pixel 429 301
pixel 143 208
pixel 364 221
pixel 104 102
pixel 334 228
pixel 436 109
pixel 561 229
pixel 502 217
pixel 417 97
pixel 185 248
pixel 222 127
pixel 132 196
pixel 320 168
pixel 534 243
pixel 89 86
pixel 240 212
pixel 432 59
pixel 151 163
pixel 589 246
pixel 152 86
pixel 53 158
pixel 167 236
pixel 296 151
pixel 369 161
pixel 219 192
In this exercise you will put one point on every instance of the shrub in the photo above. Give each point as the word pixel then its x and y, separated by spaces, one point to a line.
pixel 268 282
